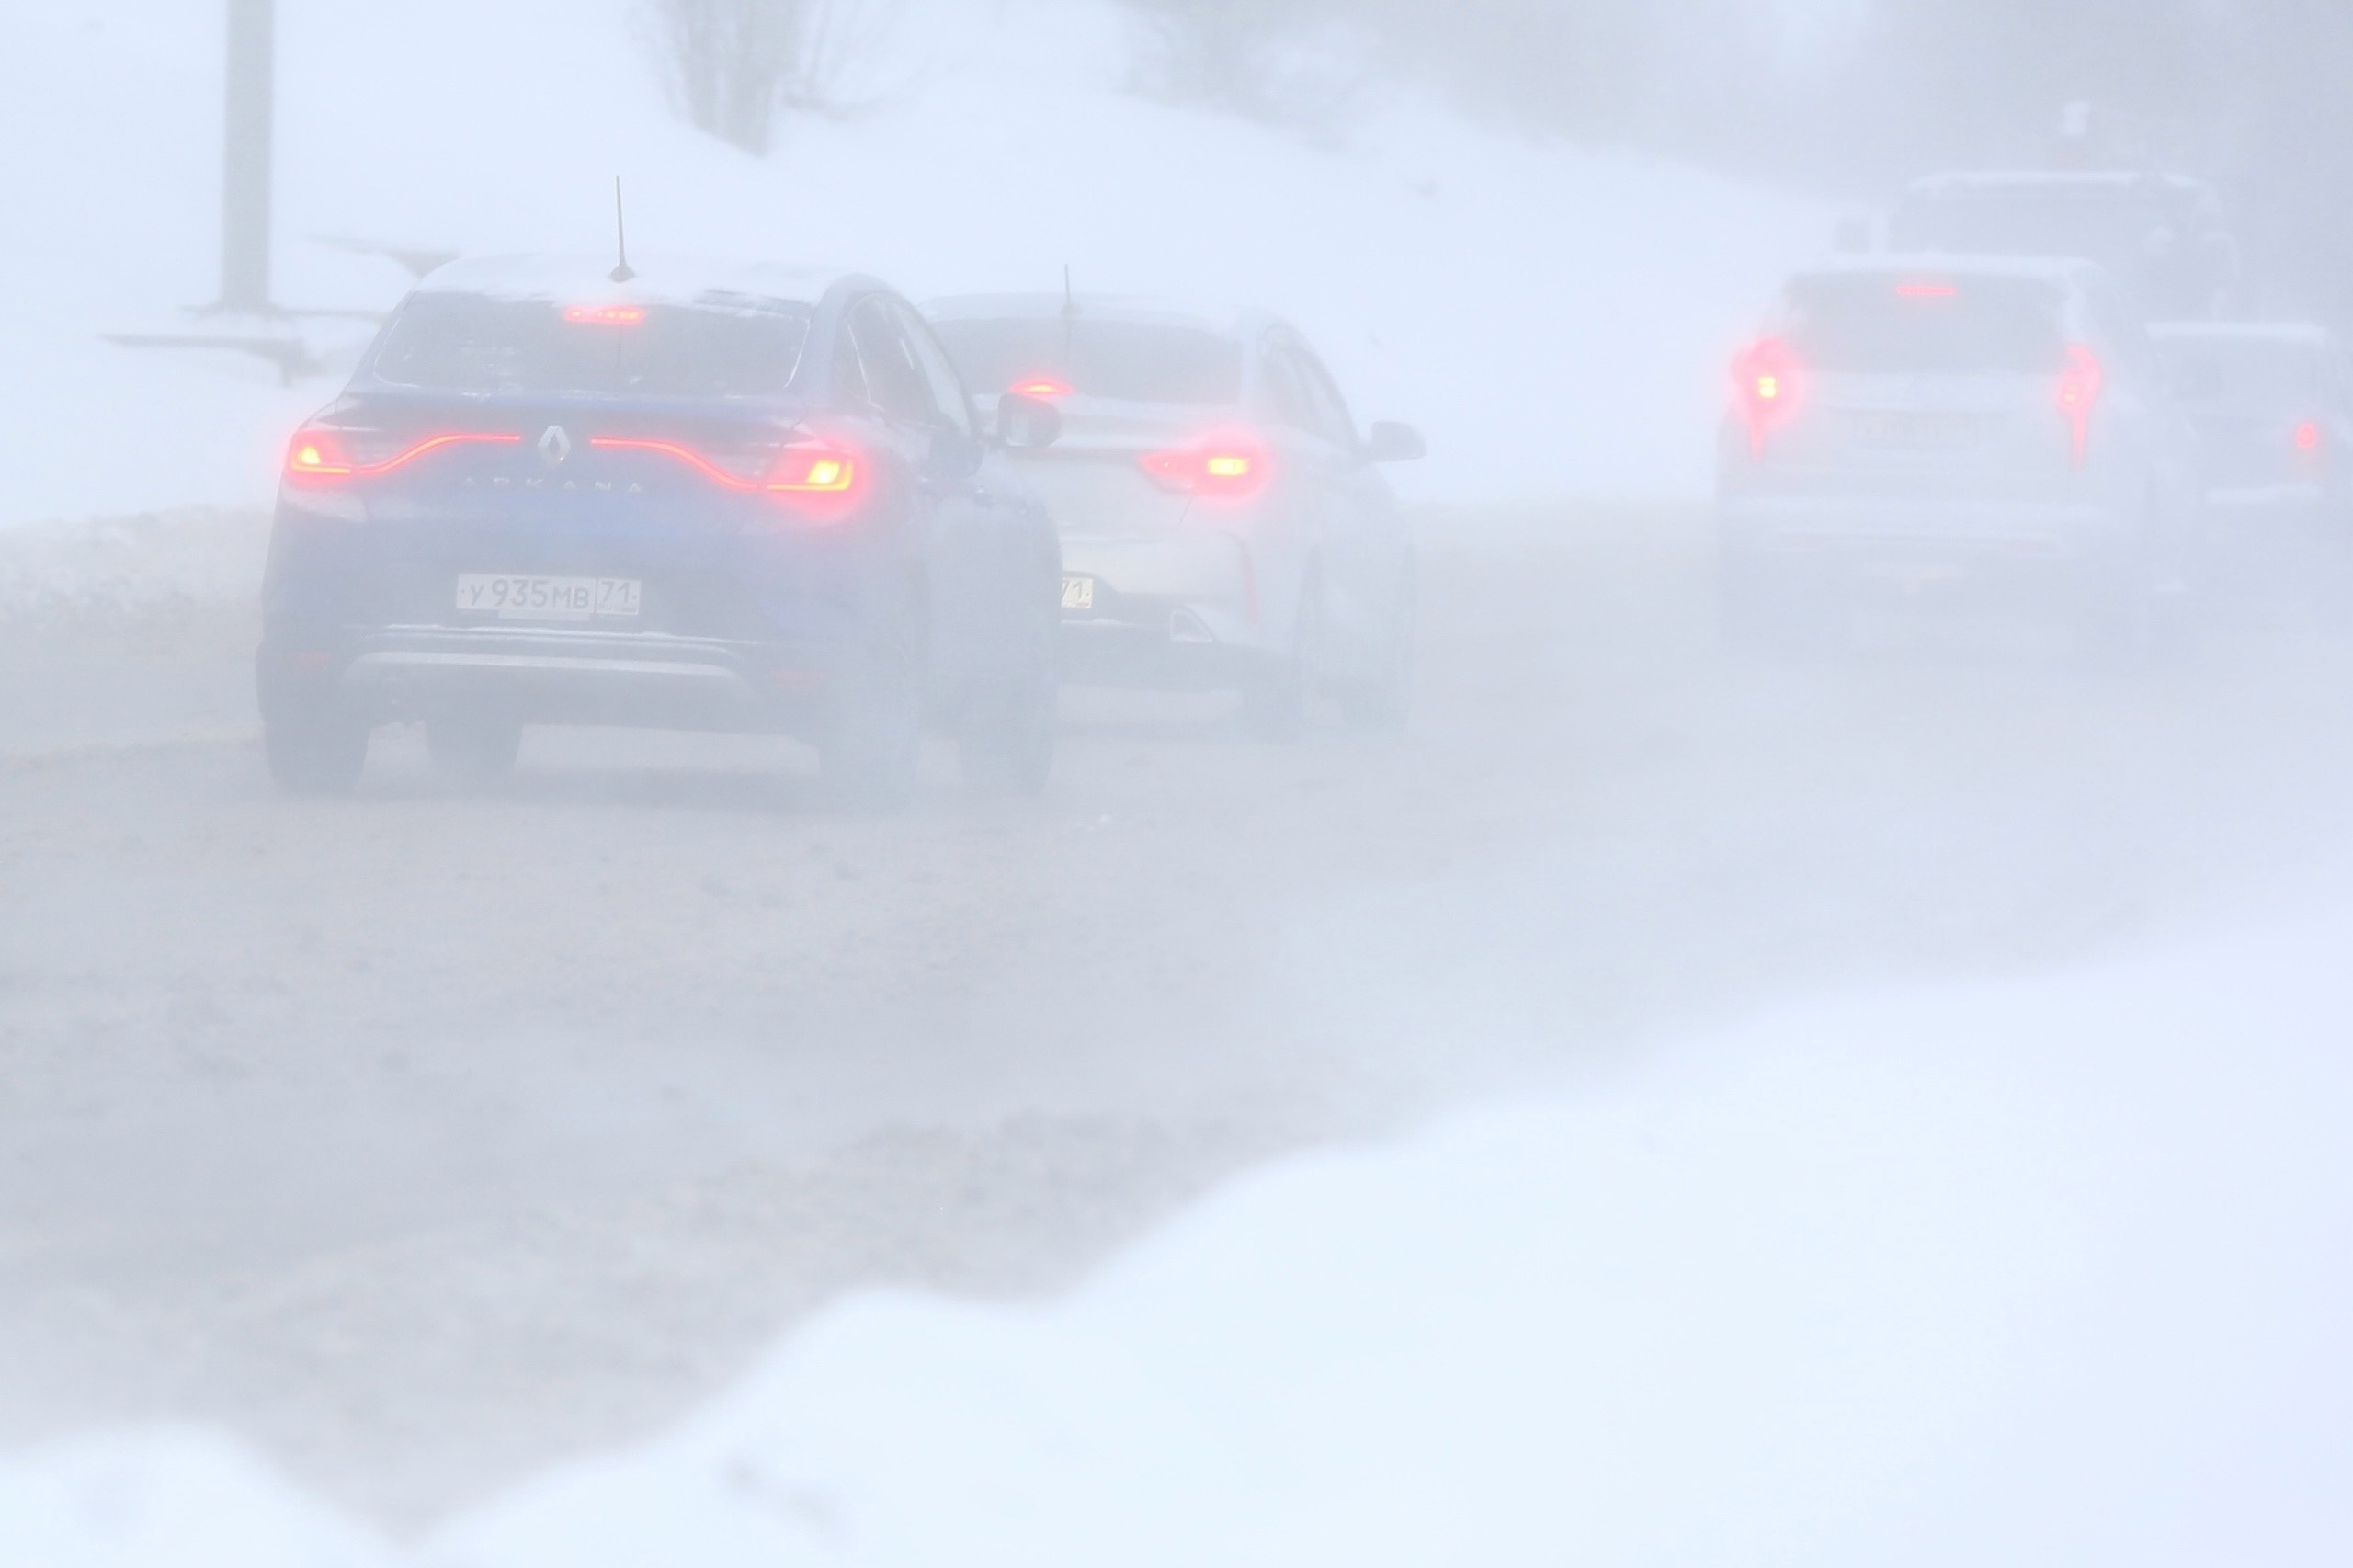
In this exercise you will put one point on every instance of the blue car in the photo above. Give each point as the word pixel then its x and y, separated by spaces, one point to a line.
pixel 689 498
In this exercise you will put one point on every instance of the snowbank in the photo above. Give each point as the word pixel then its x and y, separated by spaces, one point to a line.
pixel 1555 319
pixel 2047 1272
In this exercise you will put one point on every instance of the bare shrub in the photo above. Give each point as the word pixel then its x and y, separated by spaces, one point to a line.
pixel 733 66
pixel 1279 60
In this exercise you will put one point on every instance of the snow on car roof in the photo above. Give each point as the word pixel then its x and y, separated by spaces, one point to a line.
pixel 1226 321
pixel 661 281
pixel 2305 333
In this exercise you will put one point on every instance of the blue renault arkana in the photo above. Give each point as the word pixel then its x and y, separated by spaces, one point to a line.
pixel 689 498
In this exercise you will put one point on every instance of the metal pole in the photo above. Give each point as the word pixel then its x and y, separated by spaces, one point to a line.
pixel 246 161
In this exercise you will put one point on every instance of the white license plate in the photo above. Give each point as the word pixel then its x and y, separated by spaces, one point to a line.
pixel 512 596
pixel 1914 431
pixel 1078 593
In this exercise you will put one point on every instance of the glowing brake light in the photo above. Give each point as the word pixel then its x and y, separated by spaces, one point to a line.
pixel 2079 390
pixel 1926 291
pixel 1765 376
pixel 322 455
pixel 816 469
pixel 2308 435
pixel 805 468
pixel 1223 468
pixel 1040 386
pixel 605 315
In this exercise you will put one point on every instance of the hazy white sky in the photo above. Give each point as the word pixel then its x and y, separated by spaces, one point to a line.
pixel 1814 28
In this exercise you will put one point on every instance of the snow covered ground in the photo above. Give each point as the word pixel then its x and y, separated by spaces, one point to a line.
pixel 2038 1272
pixel 2035 1271
pixel 1555 319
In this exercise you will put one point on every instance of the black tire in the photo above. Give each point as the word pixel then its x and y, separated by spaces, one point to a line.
pixel 1281 703
pixel 474 749
pixel 866 752
pixel 316 754
pixel 1379 701
pixel 1005 744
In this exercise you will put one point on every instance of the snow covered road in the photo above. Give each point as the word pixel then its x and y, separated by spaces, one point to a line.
pixel 424 1139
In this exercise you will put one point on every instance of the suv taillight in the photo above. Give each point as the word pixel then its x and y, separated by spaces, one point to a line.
pixel 1765 381
pixel 2079 390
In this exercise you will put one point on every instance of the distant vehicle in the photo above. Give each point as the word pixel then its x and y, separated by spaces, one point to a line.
pixel 2273 403
pixel 731 499
pixel 2163 238
pixel 1954 429
pixel 1223 524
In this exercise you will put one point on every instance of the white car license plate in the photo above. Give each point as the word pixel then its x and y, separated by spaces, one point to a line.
pixel 1078 593
pixel 1911 431
pixel 512 596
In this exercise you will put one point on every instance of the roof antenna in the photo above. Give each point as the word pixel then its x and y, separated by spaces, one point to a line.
pixel 1070 315
pixel 624 272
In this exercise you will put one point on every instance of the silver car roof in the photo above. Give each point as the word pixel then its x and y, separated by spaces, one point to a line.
pixel 1239 323
pixel 2063 271
pixel 2117 181
pixel 660 280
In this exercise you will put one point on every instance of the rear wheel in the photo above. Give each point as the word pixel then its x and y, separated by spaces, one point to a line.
pixel 316 754
pixel 476 749
pixel 867 752
pixel 2128 618
pixel 1378 700
pixel 1006 730
pixel 1281 703
pixel 1006 743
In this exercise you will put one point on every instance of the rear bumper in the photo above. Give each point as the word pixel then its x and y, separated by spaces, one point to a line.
pixel 1180 610
pixel 541 676
pixel 1972 529
pixel 1899 540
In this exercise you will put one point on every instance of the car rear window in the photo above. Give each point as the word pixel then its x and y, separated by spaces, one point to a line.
pixel 1133 361
pixel 2246 376
pixel 721 345
pixel 1896 326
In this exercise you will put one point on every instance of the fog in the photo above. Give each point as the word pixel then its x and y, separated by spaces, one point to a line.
pixel 737 825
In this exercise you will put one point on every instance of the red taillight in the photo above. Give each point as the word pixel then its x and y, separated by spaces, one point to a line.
pixel 804 468
pixel 2309 436
pixel 2079 389
pixel 1926 291
pixel 1040 386
pixel 813 469
pixel 605 315
pixel 1765 376
pixel 1222 467
pixel 317 455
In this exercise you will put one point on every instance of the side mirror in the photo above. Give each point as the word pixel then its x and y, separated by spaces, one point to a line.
pixel 1389 442
pixel 1024 423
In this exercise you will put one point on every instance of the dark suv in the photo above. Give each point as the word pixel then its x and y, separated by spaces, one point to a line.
pixel 699 498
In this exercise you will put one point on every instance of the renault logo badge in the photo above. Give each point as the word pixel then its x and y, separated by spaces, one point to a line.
pixel 555 446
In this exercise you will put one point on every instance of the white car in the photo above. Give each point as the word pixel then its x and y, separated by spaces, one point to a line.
pixel 1223 523
pixel 1958 428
